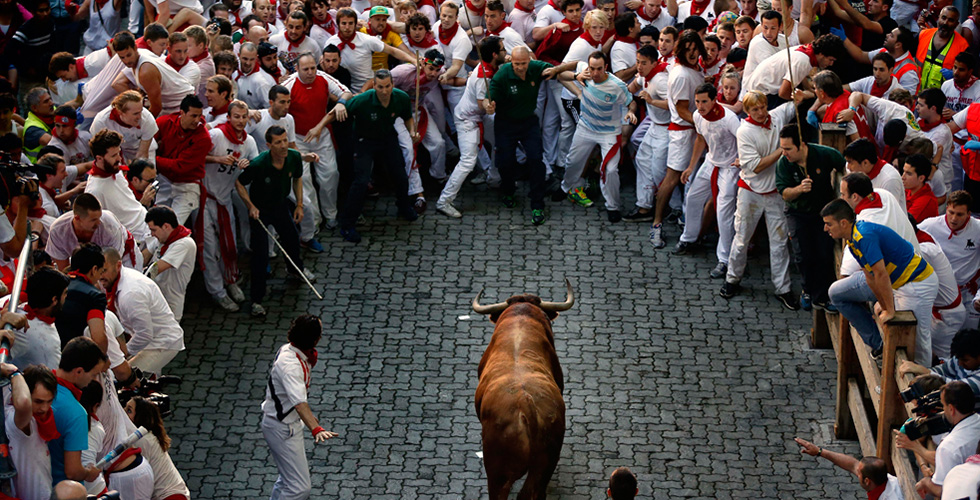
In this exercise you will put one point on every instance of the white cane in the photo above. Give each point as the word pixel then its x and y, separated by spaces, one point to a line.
pixel 290 259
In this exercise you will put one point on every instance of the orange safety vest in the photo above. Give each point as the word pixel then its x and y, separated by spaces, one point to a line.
pixel 971 159
pixel 944 58
pixel 906 65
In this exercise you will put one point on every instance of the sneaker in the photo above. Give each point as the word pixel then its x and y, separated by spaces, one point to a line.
pixel 258 311
pixel 449 210
pixel 675 216
pixel 682 248
pixel 637 216
pixel 351 235
pixel 508 201
pixel 537 216
pixel 876 355
pixel 330 224
pixel 420 205
pixel 826 306
pixel 805 302
pixel 720 270
pixel 312 245
pixel 656 236
pixel 227 304
pixel 789 301
pixel 614 216
pixel 478 179
pixel 372 191
pixel 729 290
pixel 409 215
pixel 235 293
pixel 577 195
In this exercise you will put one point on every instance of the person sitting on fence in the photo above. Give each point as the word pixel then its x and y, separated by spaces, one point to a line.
pixel 871 472
pixel 963 363
pixel 960 443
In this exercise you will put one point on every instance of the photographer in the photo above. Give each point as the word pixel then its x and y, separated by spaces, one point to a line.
pixel 963 365
pixel 141 176
pixel 958 400
pixel 927 384
pixel 871 472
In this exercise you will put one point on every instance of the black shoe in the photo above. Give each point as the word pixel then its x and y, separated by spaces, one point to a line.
pixel 537 217
pixel 637 216
pixel 351 235
pixel 682 248
pixel 674 216
pixel 614 216
pixel 720 270
pixel 729 290
pixel 509 201
pixel 409 215
pixel 789 301
pixel 876 354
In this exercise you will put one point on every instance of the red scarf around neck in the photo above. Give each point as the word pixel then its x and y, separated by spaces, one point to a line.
pixel 473 9
pixel 879 90
pixel 554 5
pixel 311 355
pixel 766 125
pixel 176 234
pixel 328 25
pixel 969 83
pixel 347 42
pixel 428 41
pixel 216 112
pixel 929 126
pixel 202 56
pixel 875 170
pixel 626 39
pixel 116 117
pixel 872 201
pixel 446 35
pixel 46 427
pixel 642 14
pixel 504 25
pixel 657 68
pixel 518 6
pixel 170 61
pixel 808 50
pixel 102 174
pixel 717 113
pixel 296 44
pixel 231 134
pixel 588 38
pixel 383 34
pixel 32 314
pixel 698 7
pixel 80 68
pixel 486 70
pixel 75 391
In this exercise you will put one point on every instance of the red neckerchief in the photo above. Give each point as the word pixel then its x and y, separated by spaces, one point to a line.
pixel 657 68
pixel 969 83
pixel 311 355
pixel 951 231
pixel 174 65
pixel 808 50
pixel 888 154
pixel 282 13
pixel 518 6
pixel 76 274
pixel 202 56
pixel 428 41
pixel 100 173
pixel 642 14
pixel 74 137
pixel 879 90
pixel 717 113
pixel 219 111
pixel 705 66
pixel 176 234
pixel 231 134
pixel 572 26
pixel 329 25
pixel 923 237
pixel 430 3
pixel 973 459
pixel 446 36
pixel 255 68
pixel 116 117
pixel 110 295
pixel 473 9
pixel 486 70
pixel 875 170
pixel 383 34
pixel 46 427
pixel 554 5
pixel 238 18
pixel 32 314
pixel 141 44
pixel 75 391
pixel 588 38
pixel 80 67
pixel 504 25
pixel 698 7
pixel 929 126
pixel 766 125
pixel 295 44
pixel 878 491
pixel 48 120
pixel 626 39
pixel 51 192
pixel 346 42
pixel 137 194
pixel 871 201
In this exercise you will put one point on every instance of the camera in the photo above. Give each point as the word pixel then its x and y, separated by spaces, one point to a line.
pixel 151 390
pixel 18 179
pixel 929 419
pixel 915 391
pixel 109 495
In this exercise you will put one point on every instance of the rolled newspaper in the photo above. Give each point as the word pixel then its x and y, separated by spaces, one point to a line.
pixel 121 447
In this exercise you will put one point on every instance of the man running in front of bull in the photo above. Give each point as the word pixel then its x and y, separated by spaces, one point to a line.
pixel 285 410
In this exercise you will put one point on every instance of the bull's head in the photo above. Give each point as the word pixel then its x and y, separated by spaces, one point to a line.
pixel 550 308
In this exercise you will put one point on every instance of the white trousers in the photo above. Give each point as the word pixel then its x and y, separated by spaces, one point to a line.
pixel 697 196
pixel 918 297
pixel 468 135
pixel 327 176
pixel 133 484
pixel 214 279
pixel 453 96
pixel 582 145
pixel 749 209
pixel 551 124
pixel 945 327
pixel 651 166
pixel 408 153
pixel 288 451
pixel 185 197
pixel 972 316
pixel 153 360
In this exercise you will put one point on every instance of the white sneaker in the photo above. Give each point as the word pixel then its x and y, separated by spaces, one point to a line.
pixel 449 210
pixel 235 293
pixel 227 304
pixel 258 310
pixel 656 236
pixel 309 275
pixel 478 179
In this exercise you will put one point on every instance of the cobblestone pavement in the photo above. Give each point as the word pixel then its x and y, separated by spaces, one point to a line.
pixel 699 396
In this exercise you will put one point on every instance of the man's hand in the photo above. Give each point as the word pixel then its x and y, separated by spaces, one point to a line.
pixel 311 157
pixel 686 175
pixel 807 447
pixel 489 106
pixel 562 26
pixel 631 118
pixel 92 473
pixel 948 114
pixel 340 112
pixel 324 435
pixel 18 321
pixel 845 116
pixel 807 185
pixel 149 194
pixel 586 74
pixel 549 72
pixel 444 78
pixel 253 212
pixel 911 367
pixel 314 134
pixel 298 214
pixel 884 315
pixel 902 441
pixel 242 163
pixel 645 96
pixel 416 138
pixel 225 160
pixel 7 369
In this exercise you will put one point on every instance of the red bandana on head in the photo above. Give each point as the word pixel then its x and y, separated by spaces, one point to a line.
pixel 446 35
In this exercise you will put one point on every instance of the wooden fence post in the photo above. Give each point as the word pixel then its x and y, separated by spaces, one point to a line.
pixel 899 333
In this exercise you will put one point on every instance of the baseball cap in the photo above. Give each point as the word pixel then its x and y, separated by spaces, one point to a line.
pixel 266 48
pixel 378 10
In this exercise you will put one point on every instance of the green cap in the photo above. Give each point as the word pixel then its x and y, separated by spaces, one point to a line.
pixel 378 10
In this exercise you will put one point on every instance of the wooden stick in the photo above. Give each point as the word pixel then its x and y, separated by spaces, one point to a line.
pixel 479 56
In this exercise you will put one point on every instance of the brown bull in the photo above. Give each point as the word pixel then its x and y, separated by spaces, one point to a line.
pixel 518 398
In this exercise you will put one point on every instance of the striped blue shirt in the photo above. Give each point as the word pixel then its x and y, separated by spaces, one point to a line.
pixel 604 106
pixel 951 370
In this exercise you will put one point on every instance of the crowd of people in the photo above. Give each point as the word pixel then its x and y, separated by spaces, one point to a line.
pixel 149 124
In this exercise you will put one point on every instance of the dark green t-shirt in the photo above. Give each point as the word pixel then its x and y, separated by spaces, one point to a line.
pixel 374 121
pixel 517 99
pixel 820 161
pixel 270 185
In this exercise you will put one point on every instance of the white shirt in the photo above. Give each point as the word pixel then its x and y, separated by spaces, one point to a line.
pixel 681 84
pixel 145 314
pixel 111 414
pixel 960 248
pixel 31 459
pixel 684 12
pixel 78 151
pixel 290 381
pixel 291 52
pixel 206 66
pixel 865 84
pixel 888 179
pixel 192 72
pixel 116 197
pixel 770 74
pixel 176 5
pixel 96 436
pixel 949 292
pixel 893 491
pixel 358 59
pixel 511 38
pixel 720 136
pixel 547 15
pixel 956 447
pixel 662 20
pixel 166 478
pixel 656 87
pixel 219 179
pixel 458 48
pixel 962 482
pixel 173 282
pixel 253 88
pixel 892 215
pixel 755 142
pixel 523 23
pixel 257 129
pixel 113 331
pixel 965 100
pixel 132 136
pixel 759 50
pixel 885 111
pixel 468 108
pixel 40 345
pixel 622 56
pixel 173 86
pixel 213 118
pixel 941 136
pixel 910 79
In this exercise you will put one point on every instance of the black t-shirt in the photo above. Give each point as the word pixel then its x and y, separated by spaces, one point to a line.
pixel 872 41
pixel 82 302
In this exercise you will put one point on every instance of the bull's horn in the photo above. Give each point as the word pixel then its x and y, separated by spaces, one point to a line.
pixel 490 309
pixel 561 306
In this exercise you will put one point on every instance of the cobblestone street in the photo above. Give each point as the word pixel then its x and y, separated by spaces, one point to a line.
pixel 701 397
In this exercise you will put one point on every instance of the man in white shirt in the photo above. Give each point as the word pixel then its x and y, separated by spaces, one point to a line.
pixel 961 442
pixel 653 14
pixel 253 83
pixel 772 76
pixel 39 343
pixel 957 233
pixel 522 19
pixel 963 481
pixel 622 55
pixel 357 49
pixel 495 18
pixel 51 173
pixel 134 124
pixel 293 42
pixel 197 51
pixel 30 426
pixel 861 156
pixel 218 92
pixel 930 104
pixel 768 42
pixel 961 91
pixel 173 262
pixel 144 313
pixel 72 142
pixel 178 59
pixel 896 107
pixel 872 472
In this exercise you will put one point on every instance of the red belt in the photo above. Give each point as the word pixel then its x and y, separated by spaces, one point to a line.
pixel 952 305
pixel 674 126
pixel 744 185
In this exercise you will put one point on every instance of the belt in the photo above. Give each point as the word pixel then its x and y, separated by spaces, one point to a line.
pixel 674 126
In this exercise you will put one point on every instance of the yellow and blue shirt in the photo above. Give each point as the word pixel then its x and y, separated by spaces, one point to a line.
pixel 871 243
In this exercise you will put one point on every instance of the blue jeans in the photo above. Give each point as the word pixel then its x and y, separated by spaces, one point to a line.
pixel 850 296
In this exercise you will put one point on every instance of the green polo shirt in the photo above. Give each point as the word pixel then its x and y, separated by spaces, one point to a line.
pixel 516 99
pixel 374 121
pixel 272 185
pixel 820 161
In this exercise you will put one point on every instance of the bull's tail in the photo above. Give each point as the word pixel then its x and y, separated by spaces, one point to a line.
pixel 543 448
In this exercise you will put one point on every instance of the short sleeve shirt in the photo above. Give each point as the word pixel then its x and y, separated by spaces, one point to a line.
pixel 516 99
pixel 270 185
pixel 72 423
pixel 871 243
pixel 374 121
